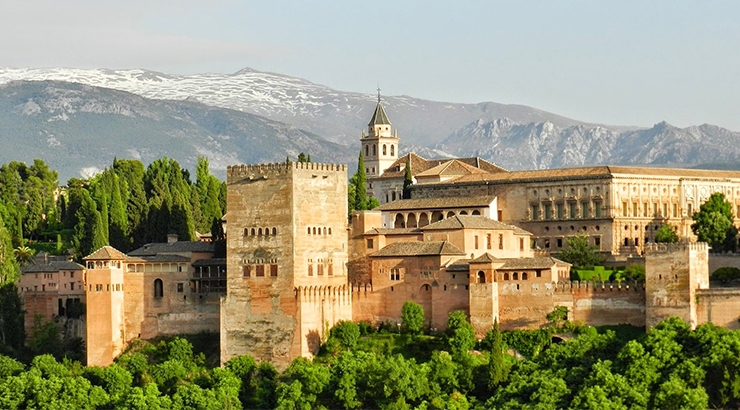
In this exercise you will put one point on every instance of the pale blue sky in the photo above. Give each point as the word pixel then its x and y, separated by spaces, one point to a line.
pixel 619 62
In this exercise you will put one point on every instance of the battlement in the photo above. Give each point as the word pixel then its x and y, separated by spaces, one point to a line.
pixel 263 170
pixel 319 293
pixel 623 286
pixel 657 248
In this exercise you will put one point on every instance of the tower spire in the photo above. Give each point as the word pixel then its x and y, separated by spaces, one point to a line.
pixel 378 93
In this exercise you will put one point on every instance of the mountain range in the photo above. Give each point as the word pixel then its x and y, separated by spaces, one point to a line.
pixel 253 116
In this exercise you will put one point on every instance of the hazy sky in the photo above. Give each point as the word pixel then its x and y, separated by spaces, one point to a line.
pixel 618 62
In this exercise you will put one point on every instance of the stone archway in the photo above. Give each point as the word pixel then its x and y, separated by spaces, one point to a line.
pixel 399 221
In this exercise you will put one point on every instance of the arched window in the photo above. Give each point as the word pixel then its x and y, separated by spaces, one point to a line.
pixel 246 231
pixel 329 230
pixel 259 232
pixel 274 231
pixel 515 276
pixel 506 276
pixel 524 275
pixel 314 230
pixel 392 150
pixel 324 230
pixel 384 149
pixel 426 288
pixel 375 152
pixel 367 150
pixel 158 288
pixel 267 231
pixel 252 231
pixel 481 277
pixel 309 230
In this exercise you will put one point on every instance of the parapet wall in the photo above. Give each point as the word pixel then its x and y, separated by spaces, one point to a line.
pixel 247 170
pixel 656 248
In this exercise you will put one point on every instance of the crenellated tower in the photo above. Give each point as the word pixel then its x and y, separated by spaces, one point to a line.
pixel 380 144
pixel 286 259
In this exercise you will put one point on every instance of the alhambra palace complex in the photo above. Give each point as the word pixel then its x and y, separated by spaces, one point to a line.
pixel 473 237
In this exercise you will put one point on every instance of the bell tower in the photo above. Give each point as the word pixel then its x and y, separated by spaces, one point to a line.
pixel 380 144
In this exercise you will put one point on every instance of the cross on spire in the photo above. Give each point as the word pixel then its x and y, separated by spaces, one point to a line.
pixel 378 92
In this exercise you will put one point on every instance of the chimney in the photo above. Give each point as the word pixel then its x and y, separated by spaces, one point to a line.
pixel 171 238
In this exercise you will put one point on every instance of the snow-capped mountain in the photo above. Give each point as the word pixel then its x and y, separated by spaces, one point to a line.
pixel 514 145
pixel 335 115
pixel 79 129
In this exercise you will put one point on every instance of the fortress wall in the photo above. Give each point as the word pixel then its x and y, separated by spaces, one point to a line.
pixel 525 307
pixel 44 304
pixel 719 306
pixel 484 307
pixel 603 303
pixel 321 307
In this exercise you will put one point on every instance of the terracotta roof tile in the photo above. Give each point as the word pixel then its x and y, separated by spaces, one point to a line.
pixel 106 253
pixel 419 249
pixel 453 167
pixel 437 203
pixel 473 222
pixel 151 249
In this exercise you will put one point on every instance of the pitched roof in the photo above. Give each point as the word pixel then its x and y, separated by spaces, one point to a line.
pixel 560 174
pixel 452 167
pixel 159 258
pixel 393 231
pixel 106 253
pixel 544 262
pixel 210 262
pixel 152 249
pixel 379 116
pixel 51 266
pixel 473 222
pixel 485 258
pixel 419 249
pixel 419 165
pixel 437 203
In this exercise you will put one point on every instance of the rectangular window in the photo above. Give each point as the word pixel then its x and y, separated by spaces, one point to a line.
pixel 644 209
pixel 180 287
pixel 369 243
pixel 476 241
pixel 320 269
pixel 625 210
pixel 310 269
pixel 330 269
pixel 585 211
pixel 559 209
pixel 655 209
pixel 260 271
pixel 572 214
pixel 690 209
pixel 273 270
pixel 597 242
pixel 72 286
pixel 665 210
pixel 597 209
pixel 521 244
pixel 71 274
pixel 395 274
pixel 488 240
pixel 635 209
pixel 547 244
pixel 246 271
pixel 500 241
pixel 675 210
pixel 535 212
pixel 548 212
pixel 560 242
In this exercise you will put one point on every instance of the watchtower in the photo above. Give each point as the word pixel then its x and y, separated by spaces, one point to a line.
pixel 286 259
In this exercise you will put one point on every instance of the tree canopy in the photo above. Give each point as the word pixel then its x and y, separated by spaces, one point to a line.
pixel 713 223
pixel 579 252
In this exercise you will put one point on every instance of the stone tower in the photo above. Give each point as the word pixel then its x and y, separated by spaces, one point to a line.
pixel 380 144
pixel 483 295
pixel 673 274
pixel 104 290
pixel 286 260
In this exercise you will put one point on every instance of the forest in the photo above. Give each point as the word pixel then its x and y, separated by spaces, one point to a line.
pixel 562 365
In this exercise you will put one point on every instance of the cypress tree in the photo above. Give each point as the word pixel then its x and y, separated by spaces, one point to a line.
pixel 496 364
pixel 9 271
pixel 407 179
pixel 360 185
pixel 117 217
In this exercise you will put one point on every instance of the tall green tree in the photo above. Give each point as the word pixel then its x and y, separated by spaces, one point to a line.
pixel 89 234
pixel 12 333
pixel 666 234
pixel 9 270
pixel 360 183
pixel 713 223
pixel 407 179
pixel 412 318
pixel 496 363
pixel 579 252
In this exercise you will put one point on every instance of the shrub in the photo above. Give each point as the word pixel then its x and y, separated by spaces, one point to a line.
pixel 726 273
